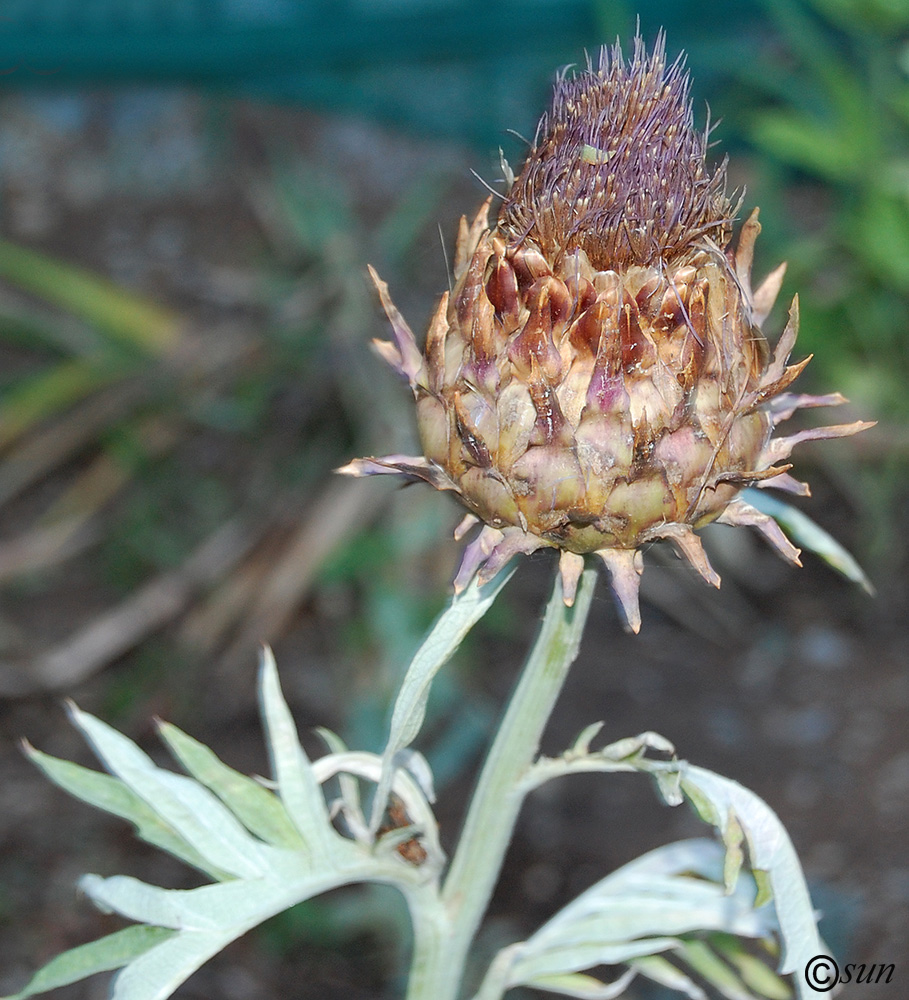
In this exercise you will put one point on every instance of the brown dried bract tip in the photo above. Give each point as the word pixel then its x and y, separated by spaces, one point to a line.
pixel 618 169
pixel 597 379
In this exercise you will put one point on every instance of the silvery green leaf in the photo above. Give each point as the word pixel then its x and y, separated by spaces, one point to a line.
pixel 258 879
pixel 349 802
pixel 628 754
pixel 666 974
pixel 703 957
pixel 110 794
pixel 157 973
pixel 634 746
pixel 256 807
pixel 731 807
pixel 664 907
pixel 104 955
pixel 183 804
pixel 804 532
pixel 222 906
pixel 417 766
pixel 754 973
pixel 530 968
pixel 642 909
pixel 698 856
pixel 463 612
pixel 297 786
pixel 506 971
pixel 585 987
pixel 210 917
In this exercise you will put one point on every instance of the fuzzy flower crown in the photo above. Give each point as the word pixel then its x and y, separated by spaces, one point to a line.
pixel 597 378
pixel 618 169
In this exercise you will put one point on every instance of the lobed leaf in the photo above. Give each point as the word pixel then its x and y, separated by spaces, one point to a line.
pixel 628 754
pixel 758 976
pixel 409 790
pixel 103 791
pixel 183 804
pixel 222 906
pixel 633 914
pixel 661 971
pixel 156 974
pixel 714 961
pixel 734 809
pixel 215 819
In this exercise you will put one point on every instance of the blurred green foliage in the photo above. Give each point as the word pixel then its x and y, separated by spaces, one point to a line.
pixel 830 126
pixel 827 125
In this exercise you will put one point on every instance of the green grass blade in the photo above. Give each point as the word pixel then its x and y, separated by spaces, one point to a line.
pixel 41 396
pixel 124 316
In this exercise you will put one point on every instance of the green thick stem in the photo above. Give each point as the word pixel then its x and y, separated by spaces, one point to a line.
pixel 440 953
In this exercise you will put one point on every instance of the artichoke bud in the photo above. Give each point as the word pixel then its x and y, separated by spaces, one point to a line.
pixel 597 378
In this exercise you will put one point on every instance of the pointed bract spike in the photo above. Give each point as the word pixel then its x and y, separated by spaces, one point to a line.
pixel 744 253
pixel 742 514
pixel 571 566
pixel 782 407
pixel 689 547
pixel 389 354
pixel 750 477
pixel 515 542
pixel 435 345
pixel 783 348
pixel 790 374
pixel 461 255
pixel 481 219
pixel 414 467
pixel 464 525
pixel 412 364
pixel 787 483
pixel 625 566
pixel 476 553
pixel 469 236
pixel 782 447
pixel 766 295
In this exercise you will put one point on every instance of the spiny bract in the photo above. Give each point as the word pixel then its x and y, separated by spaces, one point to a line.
pixel 597 378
